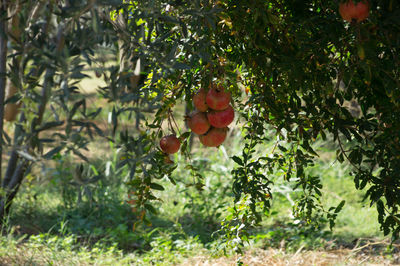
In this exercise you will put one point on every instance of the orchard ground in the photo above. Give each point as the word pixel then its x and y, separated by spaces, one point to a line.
pixel 58 221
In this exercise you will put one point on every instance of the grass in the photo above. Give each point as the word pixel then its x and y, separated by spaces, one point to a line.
pixel 42 250
pixel 100 232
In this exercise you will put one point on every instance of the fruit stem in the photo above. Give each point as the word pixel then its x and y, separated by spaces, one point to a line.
pixel 176 125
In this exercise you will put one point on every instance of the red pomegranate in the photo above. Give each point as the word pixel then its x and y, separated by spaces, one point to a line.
pixel 199 100
pixel 350 11
pixel 198 122
pixel 170 144
pixel 222 118
pixel 217 98
pixel 214 137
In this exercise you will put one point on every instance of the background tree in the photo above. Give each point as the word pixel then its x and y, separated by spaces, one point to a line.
pixel 43 65
pixel 47 60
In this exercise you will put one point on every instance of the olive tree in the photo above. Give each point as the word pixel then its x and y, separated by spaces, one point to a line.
pixel 50 47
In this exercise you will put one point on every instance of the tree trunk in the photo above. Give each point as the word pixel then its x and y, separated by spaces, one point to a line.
pixel 14 34
pixel 17 165
pixel 3 71
pixel 11 190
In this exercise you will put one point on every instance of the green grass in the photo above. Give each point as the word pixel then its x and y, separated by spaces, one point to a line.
pixel 357 219
pixel 101 231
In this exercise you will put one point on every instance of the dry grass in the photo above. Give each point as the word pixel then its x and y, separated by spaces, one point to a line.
pixel 28 255
pixel 278 257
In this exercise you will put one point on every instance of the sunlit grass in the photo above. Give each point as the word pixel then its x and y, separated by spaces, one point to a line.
pixel 183 227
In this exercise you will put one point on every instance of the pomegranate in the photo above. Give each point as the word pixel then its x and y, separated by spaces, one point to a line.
pixel 199 100
pixel 350 11
pixel 222 118
pixel 214 137
pixel 170 144
pixel 217 98
pixel 198 122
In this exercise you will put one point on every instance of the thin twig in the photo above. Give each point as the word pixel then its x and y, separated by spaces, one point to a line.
pixel 169 122
pixel 345 155
pixel 176 125
pixel 394 217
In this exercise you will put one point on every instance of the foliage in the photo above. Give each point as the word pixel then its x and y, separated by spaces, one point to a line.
pixel 304 69
pixel 304 65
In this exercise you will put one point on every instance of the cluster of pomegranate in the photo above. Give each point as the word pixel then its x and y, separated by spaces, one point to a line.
pixel 212 116
pixel 210 120
pixel 354 12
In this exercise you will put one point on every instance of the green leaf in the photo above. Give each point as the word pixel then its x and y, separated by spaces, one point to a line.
pixel 282 148
pixel 156 186
pixel 171 179
pixel 52 152
pixel 181 66
pixel 345 132
pixel 340 206
pixel 79 154
pixel 15 98
pixel 185 135
pixel 150 208
pixel 308 148
pixel 50 125
pixel 237 160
